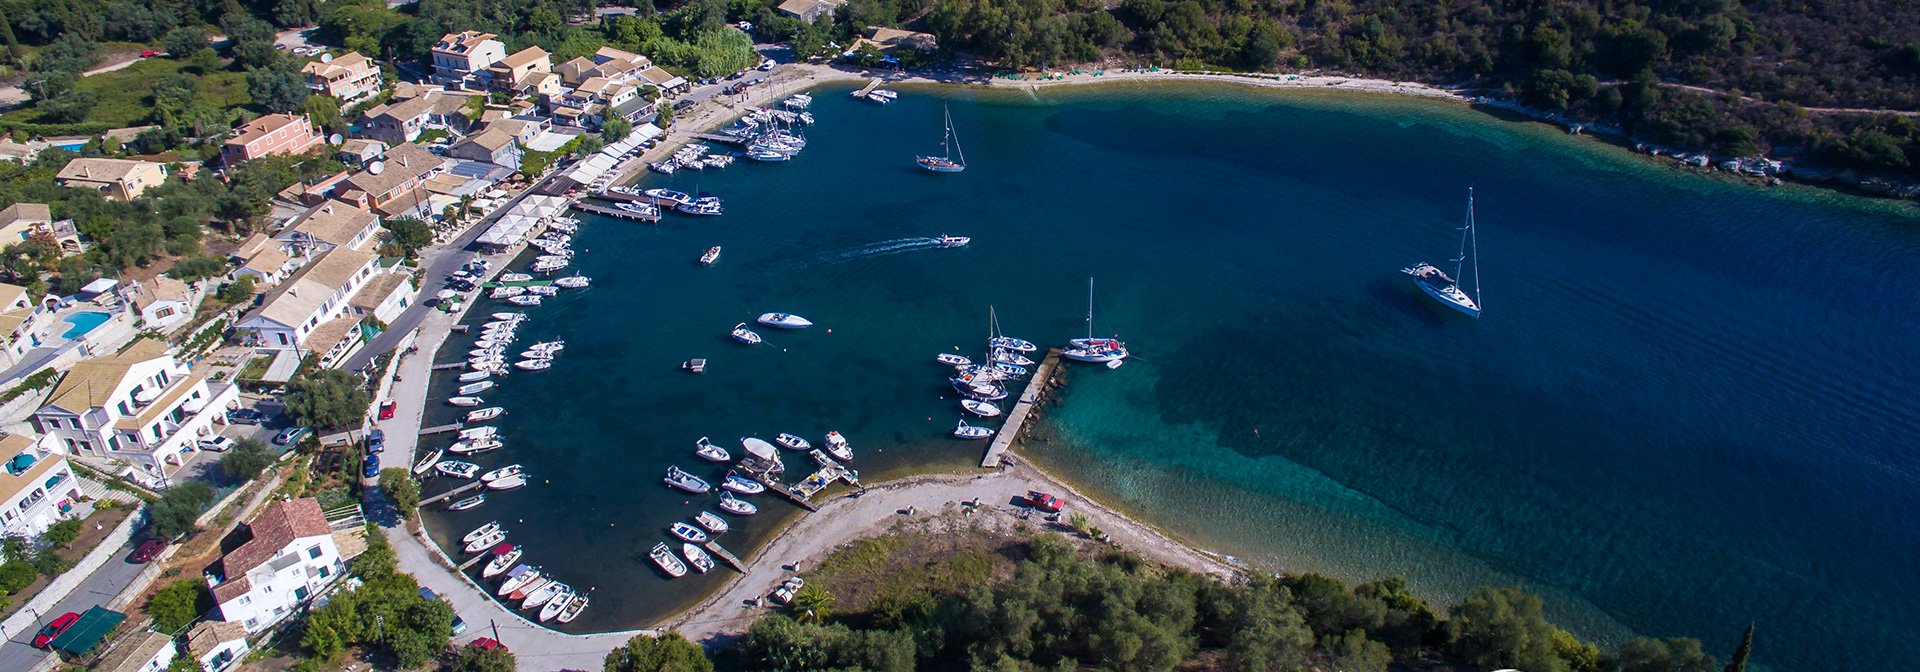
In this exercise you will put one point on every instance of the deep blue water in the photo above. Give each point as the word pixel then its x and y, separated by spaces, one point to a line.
pixel 1690 403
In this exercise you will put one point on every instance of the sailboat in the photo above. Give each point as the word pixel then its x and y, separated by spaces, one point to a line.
pixel 1099 350
pixel 950 146
pixel 1443 288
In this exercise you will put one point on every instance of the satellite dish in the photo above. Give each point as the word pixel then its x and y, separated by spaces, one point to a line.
pixel 336 139
pixel 377 167
pixel 326 58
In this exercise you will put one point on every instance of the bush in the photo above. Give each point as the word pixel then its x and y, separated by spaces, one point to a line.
pixel 329 399
pixel 399 486
pixel 474 659
pixel 176 606
pixel 60 534
pixel 173 513
pixel 248 457
pixel 667 653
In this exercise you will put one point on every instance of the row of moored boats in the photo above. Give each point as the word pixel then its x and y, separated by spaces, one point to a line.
pixel 521 585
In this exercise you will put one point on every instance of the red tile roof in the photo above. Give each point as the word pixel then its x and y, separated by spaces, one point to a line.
pixel 277 525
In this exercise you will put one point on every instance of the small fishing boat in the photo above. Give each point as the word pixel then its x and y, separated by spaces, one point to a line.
pixel 785 321
pixel 744 335
pixel 736 505
pixel 951 359
pixel 793 442
pixel 945 240
pixel 534 364
pixel 481 532
pixel 574 607
pixel 508 483
pixel 685 481
pixel 698 558
pixel 712 523
pixel 426 463
pixel 503 472
pixel 474 446
pixel 709 452
pixel 476 388
pixel 482 432
pixel 573 282
pixel 556 603
pixel 665 197
pixel 984 409
pixel 1010 369
pixel 508 316
pixel 546 594
pixel 468 503
pixel 458 469
pixel 704 205
pixel 688 533
pixel 485 414
pixel 712 255
pixel 664 557
pixel 514 277
pixel 518 578
pixel 743 485
pixel 1005 356
pixel 1011 343
pixel 501 562
pixel 486 542
pixel 837 445
pixel 525 300
pixel 466 401
pixel 474 376
pixel 966 431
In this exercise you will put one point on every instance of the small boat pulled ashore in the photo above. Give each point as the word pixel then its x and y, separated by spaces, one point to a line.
pixel 685 481
pixel 426 463
pixel 785 321
pixel 664 558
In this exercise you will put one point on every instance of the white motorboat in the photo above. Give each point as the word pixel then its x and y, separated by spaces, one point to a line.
pixel 1014 370
pixel 519 577
pixel 785 321
pixel 543 290
pixel 537 354
pixel 468 503
pixel 533 364
pixel 712 523
pixel 712 255
pixel 704 205
pixel 641 209
pixel 457 469
pixel 768 155
pixel 573 282
pixel 514 277
pixel 665 197
pixel 532 587
pixel 483 543
pixel 966 431
pixel 688 533
pixel 685 481
pixel 737 506
pixel 503 472
pixel 984 409
pixel 798 101
pixel 426 464
pixel 793 442
pixel 508 483
pixel 882 96
pixel 483 432
pixel 481 532
pixel 475 446
pixel 744 335
pixel 1005 356
pixel 506 292
pixel 485 414
pixel 668 563
pixel 525 300
pixel 474 376
pixel 574 607
pixel 541 596
pixel 466 401
pixel 1011 343
pixel 549 346
pixel 476 388
pixel 837 445
pixel 555 604
pixel 508 316
pixel 709 452
pixel 698 558
pixel 485 352
pixel 945 240
pixel 743 485
pixel 500 563
pixel 951 359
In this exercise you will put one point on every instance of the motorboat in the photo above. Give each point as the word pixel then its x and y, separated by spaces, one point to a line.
pixel 712 255
pixel 882 96
pixel 1011 343
pixel 483 543
pixel 538 354
pixel 966 431
pixel 466 401
pixel 837 445
pixel 481 532
pixel 468 502
pixel 476 388
pixel 641 209
pixel 518 577
pixel 489 351
pixel 785 321
pixel 534 364
pixel 980 390
pixel 482 432
pixel 474 447
pixel 1005 356
pixel 514 277
pixel 457 469
pixel 945 240
pixel 474 377
pixel 573 282
pixel 543 290
pixel 485 414
pixel 698 558
pixel 688 533
pixel 664 557
pixel 506 292
pixel 704 205
pixel 709 452
pixel 710 522
pixel 508 316
pixel 798 101
pixel 574 607
pixel 508 483
pixel 426 464
pixel 545 594
pixel 685 481
pixel 951 359
pixel 736 505
pixel 984 409
pixel 792 442
pixel 525 300
pixel 768 155
pixel 503 472
pixel 549 346
pixel 1015 370
pixel 532 587
pixel 555 604
pixel 501 562
pixel 744 335
pixel 663 167
pixel 743 485
pixel 665 197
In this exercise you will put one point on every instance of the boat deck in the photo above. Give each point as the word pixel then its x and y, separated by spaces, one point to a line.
pixel 1018 418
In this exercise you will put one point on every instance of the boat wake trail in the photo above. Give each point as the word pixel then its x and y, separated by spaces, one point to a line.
pixel 882 248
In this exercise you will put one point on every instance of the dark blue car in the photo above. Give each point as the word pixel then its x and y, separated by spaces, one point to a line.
pixel 373 466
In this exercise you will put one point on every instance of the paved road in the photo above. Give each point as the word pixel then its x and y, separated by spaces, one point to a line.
pixel 17 652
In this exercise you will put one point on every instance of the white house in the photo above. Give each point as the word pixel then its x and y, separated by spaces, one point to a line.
pixel 37 486
pixel 466 55
pixel 144 651
pixel 217 644
pixel 332 224
pixel 140 406
pixel 19 320
pixel 316 293
pixel 263 259
pixel 289 559
pixel 165 303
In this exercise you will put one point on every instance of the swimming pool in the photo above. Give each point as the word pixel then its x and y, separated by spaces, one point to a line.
pixel 84 322
pixel 71 146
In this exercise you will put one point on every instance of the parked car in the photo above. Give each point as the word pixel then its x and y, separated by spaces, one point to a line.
pixel 386 409
pixel 53 630
pixel 246 416
pixel 459 626
pixel 217 443
pixel 289 436
pixel 372 469
pixel 1044 502
pixel 148 551
pixel 487 644
pixel 376 441
pixel 149 53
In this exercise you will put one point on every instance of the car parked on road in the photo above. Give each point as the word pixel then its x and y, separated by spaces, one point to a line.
pixel 372 468
pixel 53 630
pixel 217 443
pixel 289 436
pixel 246 416
pixel 376 441
pixel 386 409
pixel 459 626
pixel 148 551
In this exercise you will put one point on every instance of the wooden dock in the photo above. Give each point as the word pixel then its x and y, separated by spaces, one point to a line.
pixel 725 556
pixel 1015 420
pixel 720 138
pixel 440 429
pixel 450 494
pixel 609 211
pixel 449 366
pixel 776 486
pixel 871 85
pixel 477 559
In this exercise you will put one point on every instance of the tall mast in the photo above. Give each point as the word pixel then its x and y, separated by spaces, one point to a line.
pixel 1473 239
pixel 1089 308
pixel 955 138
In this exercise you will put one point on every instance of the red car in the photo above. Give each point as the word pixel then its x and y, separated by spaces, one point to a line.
pixel 148 551
pixel 487 643
pixel 1044 501
pixel 53 630
pixel 386 409
pixel 150 54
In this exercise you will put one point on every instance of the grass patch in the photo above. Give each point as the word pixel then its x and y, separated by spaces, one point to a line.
pixel 890 579
pixel 125 95
pixel 254 369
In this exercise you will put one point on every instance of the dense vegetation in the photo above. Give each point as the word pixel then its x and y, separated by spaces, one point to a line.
pixel 386 613
pixel 328 399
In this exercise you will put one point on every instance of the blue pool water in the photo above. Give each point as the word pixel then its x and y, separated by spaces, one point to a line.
pixel 84 322
pixel 73 146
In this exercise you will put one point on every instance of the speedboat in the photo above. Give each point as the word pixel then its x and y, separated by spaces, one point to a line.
pixel 744 335
pixel 483 543
pixel 476 388
pixel 785 321
pixel 709 452
pixel 481 532
pixel 525 300
pixel 688 533
pixel 984 409
pixel 664 557
pixel 966 431
pixel 799 101
pixel 508 483
pixel 951 359
pixel 711 522
pixel 712 255
pixel 532 587
pixel 557 603
pixel 743 485
pixel 472 377
pixel 573 282
pixel 543 290
pixel 538 354
pixel 482 432
pixel 503 472
pixel 641 209
pixel 514 277
pixel 1011 343
pixel 665 196
pixel 545 594
pixel 704 205
pixel 468 503
pixel 518 577
pixel 698 558
pixel 466 401
pixel 506 292
pixel 945 240
pixel 882 96
pixel 426 463
pixel 489 351
pixel 793 442
pixel 685 481
pixel 1005 356
pixel 736 505
pixel 485 414
pixel 1010 369
pixel 533 364
pixel 549 346
pixel 474 447
pixel 508 316
pixel 458 469
pixel 501 562
pixel 574 607
pixel 837 445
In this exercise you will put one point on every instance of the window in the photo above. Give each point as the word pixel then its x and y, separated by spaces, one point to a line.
pixel 300 593
pixel 314 552
pixel 325 572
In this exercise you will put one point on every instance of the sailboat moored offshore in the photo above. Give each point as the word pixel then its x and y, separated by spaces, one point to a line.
pixel 1443 288
pixel 950 145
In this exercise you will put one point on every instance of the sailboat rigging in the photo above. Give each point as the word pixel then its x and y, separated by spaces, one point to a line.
pixel 1108 351
pixel 949 147
pixel 1443 288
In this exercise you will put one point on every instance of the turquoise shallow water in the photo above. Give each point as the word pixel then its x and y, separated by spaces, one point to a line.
pixel 1690 403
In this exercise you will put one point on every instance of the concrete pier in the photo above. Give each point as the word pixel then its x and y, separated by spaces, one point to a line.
pixel 1018 417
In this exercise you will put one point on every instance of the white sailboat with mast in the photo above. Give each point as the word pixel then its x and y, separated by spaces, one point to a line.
pixel 1442 287
pixel 1107 351
pixel 950 146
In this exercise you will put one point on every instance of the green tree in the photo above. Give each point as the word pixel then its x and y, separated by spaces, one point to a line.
pixel 615 129
pixel 328 399
pixel 175 607
pixel 476 659
pixel 812 604
pixel 1740 654
pixel 1663 655
pixel 399 486
pixel 1353 652
pixel 667 653
pixel 173 513
pixel 277 86
pixel 182 42
pixel 238 290
pixel 1505 627
pixel 204 61
pixel 248 457
pixel 409 233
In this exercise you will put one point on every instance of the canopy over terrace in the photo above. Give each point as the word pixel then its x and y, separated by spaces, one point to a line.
pixel 608 158
pixel 513 227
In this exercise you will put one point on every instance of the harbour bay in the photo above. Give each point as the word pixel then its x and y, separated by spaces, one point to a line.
pixel 1685 408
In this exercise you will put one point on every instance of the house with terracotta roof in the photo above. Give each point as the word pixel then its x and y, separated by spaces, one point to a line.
pixel 20 320
pixel 494 145
pixel 399 121
pixel 143 651
pixel 512 71
pixel 140 407
pixel 265 259
pixel 37 486
pixel 217 644
pixel 288 558
pixel 359 152
pixel 462 58
pixel 808 10
pixel 396 184
pixel 164 303
pixel 348 78
pixel 119 179
pixel 269 135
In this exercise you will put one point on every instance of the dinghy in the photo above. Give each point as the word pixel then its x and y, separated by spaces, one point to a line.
pixel 688 533
pixel 664 557
pixel 1011 343
pixel 710 452
pixel 533 364
pixel 546 594
pixel 485 414
pixel 474 377
pixel 514 277
pixel 951 359
pixel 573 282
pixel 685 481
pixel 743 485
pixel 698 558
pixel 481 532
pixel 573 609
pixel 525 300
pixel 532 587
pixel 466 401
pixel 468 503
pixel 1006 356
pixel 482 432
pixel 737 506
pixel 426 464
pixel 793 442
pixel 474 446
pixel 712 523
